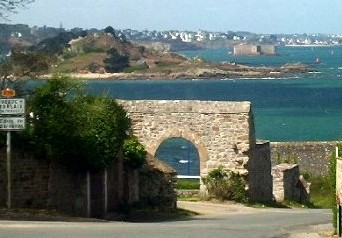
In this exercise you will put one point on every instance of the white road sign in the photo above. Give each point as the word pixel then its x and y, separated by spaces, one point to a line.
pixel 12 106
pixel 12 123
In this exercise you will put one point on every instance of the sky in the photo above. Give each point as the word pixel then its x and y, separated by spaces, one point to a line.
pixel 258 16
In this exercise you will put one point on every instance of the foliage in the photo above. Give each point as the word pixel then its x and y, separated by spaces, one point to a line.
pixel 29 63
pixel 23 63
pixel 94 67
pixel 109 30
pixel 332 183
pixel 134 153
pixel 9 6
pixel 56 44
pixel 115 62
pixel 225 185
pixel 79 131
pixel 322 195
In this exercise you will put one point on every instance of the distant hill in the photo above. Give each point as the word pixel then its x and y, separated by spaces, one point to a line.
pixel 37 51
pixel 88 54
pixel 174 40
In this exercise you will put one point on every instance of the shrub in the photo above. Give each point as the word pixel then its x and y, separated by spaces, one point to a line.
pixel 225 185
pixel 134 153
pixel 332 183
pixel 79 131
pixel 115 62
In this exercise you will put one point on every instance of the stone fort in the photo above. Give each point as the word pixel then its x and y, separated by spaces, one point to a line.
pixel 223 133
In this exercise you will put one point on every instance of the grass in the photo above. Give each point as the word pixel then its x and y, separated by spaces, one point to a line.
pixel 188 184
pixel 321 193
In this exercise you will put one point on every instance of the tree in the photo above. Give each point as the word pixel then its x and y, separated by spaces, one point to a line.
pixel 10 6
pixel 79 131
pixel 115 62
pixel 109 30
pixel 22 63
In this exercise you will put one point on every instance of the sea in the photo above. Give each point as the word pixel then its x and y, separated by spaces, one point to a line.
pixel 303 107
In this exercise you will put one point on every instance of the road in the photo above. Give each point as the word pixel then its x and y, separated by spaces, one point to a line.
pixel 230 221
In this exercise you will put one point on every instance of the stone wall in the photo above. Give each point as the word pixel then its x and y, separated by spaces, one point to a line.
pixel 259 177
pixel 157 186
pixel 312 157
pixel 288 184
pixel 38 184
pixel 29 180
pixel 223 133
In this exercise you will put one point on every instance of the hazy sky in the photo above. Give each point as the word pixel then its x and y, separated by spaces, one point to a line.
pixel 259 16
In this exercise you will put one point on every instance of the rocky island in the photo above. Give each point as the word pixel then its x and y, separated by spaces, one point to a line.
pixel 106 55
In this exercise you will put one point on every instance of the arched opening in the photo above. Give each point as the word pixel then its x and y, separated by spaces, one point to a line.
pixel 181 154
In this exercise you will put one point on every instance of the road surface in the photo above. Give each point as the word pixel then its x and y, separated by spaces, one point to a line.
pixel 217 221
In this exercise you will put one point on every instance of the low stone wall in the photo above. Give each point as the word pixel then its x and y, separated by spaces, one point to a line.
pixel 157 187
pixel 288 184
pixel 188 193
pixel 312 157
pixel 29 181
pixel 38 184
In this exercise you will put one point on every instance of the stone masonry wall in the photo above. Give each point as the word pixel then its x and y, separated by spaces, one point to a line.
pixel 29 180
pixel 312 157
pixel 38 184
pixel 288 184
pixel 259 177
pixel 220 130
pixel 157 186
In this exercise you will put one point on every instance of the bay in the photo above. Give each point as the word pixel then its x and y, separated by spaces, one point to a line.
pixel 307 107
pixel 303 108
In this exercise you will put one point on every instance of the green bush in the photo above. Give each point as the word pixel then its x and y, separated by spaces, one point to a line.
pixel 134 153
pixel 80 131
pixel 332 183
pixel 225 185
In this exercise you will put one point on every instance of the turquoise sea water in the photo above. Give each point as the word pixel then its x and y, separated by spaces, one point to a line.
pixel 303 108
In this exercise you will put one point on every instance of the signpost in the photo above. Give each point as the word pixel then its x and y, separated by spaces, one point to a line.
pixel 12 118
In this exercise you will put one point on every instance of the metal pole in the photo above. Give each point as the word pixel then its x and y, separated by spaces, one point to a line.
pixel 339 220
pixel 8 143
pixel 105 181
pixel 88 195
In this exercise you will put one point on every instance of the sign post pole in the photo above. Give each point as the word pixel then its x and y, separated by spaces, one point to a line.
pixel 10 107
pixel 9 193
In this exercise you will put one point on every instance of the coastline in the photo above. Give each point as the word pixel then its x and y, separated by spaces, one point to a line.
pixel 224 72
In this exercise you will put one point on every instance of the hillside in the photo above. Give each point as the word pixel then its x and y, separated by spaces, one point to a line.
pixel 105 54
pixel 87 55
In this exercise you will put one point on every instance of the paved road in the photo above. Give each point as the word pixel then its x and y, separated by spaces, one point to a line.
pixel 231 222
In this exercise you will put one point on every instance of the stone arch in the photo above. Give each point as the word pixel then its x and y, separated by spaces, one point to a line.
pixel 186 134
pixel 222 132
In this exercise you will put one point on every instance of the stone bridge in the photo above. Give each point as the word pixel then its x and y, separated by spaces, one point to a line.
pixel 222 132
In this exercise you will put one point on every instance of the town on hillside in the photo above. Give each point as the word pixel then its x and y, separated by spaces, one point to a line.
pixel 174 40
